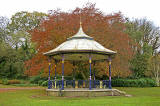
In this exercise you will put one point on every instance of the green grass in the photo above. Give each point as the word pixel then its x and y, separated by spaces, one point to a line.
pixel 20 85
pixel 25 85
pixel 7 86
pixel 140 97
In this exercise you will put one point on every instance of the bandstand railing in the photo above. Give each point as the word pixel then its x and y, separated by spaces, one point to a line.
pixel 80 83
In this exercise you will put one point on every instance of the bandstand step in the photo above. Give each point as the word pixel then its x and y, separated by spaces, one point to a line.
pixel 82 92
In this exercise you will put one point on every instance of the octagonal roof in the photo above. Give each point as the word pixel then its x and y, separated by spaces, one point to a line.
pixel 78 47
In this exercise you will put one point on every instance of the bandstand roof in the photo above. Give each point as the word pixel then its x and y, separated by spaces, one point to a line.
pixel 78 48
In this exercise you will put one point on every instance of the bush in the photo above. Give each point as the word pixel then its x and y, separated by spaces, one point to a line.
pixel 14 81
pixel 36 79
pixel 1 82
pixel 5 81
pixel 44 83
pixel 25 85
pixel 151 82
pixel 142 82
pixel 24 82
pixel 40 82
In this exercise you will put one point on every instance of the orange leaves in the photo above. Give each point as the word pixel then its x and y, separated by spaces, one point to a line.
pixel 108 30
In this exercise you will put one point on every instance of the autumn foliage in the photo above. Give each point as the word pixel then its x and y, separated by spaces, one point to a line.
pixel 108 30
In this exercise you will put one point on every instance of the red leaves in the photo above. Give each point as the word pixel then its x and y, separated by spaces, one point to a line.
pixel 108 30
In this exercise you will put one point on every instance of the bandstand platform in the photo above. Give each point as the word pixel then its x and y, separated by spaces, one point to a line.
pixel 84 92
pixel 80 88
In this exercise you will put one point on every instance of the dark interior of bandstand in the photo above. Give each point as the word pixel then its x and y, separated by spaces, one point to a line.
pixel 78 83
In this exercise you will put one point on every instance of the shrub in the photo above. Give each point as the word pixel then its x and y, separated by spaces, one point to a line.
pixel 36 79
pixel 151 82
pixel 25 85
pixel 44 83
pixel 142 82
pixel 5 81
pixel 24 82
pixel 1 82
pixel 40 82
pixel 14 81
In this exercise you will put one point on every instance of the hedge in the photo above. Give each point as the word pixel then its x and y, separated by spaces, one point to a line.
pixel 44 83
pixel 142 82
pixel 8 82
pixel 14 81
pixel 1 82
pixel 36 79
pixel 25 85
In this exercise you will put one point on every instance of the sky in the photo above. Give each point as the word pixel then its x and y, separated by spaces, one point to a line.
pixel 149 9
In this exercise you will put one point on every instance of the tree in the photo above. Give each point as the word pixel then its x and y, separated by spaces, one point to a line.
pixel 145 43
pixel 3 31
pixel 154 67
pixel 21 25
pixel 143 31
pixel 10 64
pixel 106 29
pixel 15 44
pixel 140 62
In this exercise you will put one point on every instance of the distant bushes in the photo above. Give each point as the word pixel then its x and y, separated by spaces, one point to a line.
pixel 37 79
pixel 1 82
pixel 33 81
pixel 5 81
pixel 44 83
pixel 8 82
pixel 14 81
pixel 41 81
pixel 142 82
pixel 25 85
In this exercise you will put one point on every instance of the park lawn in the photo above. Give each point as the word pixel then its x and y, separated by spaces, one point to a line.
pixel 6 86
pixel 19 86
pixel 37 97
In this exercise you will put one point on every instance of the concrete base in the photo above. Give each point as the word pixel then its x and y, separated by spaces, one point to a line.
pixel 82 92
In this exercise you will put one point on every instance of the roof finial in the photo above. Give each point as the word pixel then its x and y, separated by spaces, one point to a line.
pixel 80 21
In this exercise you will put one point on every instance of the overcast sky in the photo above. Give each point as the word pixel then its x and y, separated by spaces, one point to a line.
pixel 149 9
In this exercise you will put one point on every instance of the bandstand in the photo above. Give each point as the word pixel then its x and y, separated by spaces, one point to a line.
pixel 80 47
